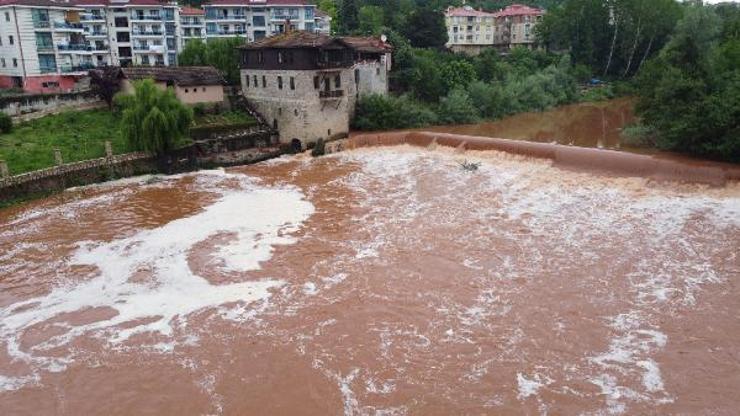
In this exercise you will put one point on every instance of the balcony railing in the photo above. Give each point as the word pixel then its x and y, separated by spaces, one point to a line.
pixel 74 47
pixel 149 48
pixel 44 46
pixel 67 25
pixel 147 33
pixel 92 17
pixel 331 94
pixel 145 17
pixel 41 24
pixel 227 32
pixel 47 69
pixel 76 68
pixel 276 16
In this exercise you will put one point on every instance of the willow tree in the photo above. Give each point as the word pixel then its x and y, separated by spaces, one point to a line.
pixel 153 120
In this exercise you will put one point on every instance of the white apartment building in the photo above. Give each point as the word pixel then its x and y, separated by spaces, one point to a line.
pixel 257 19
pixel 49 45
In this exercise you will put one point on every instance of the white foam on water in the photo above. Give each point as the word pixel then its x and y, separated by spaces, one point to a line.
pixel 258 217
pixel 531 386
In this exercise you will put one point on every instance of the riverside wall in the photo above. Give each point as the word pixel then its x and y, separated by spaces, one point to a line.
pixel 658 167
pixel 26 107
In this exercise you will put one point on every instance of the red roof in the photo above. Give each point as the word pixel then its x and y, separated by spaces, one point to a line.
pixel 258 3
pixel 519 10
pixel 190 11
pixel 38 3
pixel 467 11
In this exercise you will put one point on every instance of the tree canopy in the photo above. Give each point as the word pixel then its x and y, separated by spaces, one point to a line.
pixel 221 53
pixel 153 120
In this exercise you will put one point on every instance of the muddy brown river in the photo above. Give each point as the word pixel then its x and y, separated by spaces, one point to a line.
pixel 375 281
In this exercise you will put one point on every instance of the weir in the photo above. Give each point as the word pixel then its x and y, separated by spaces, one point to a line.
pixel 658 167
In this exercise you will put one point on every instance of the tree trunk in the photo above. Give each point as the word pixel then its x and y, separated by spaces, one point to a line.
pixel 647 52
pixel 634 48
pixel 614 42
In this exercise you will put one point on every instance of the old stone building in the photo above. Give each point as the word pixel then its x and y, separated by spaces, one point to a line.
pixel 307 84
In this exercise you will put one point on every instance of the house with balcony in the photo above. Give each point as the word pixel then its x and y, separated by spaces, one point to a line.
pixel 257 19
pixel 515 26
pixel 471 31
pixel 43 46
pixel 192 24
pixel 306 84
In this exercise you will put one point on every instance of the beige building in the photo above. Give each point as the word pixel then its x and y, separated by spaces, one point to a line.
pixel 471 31
pixel 192 84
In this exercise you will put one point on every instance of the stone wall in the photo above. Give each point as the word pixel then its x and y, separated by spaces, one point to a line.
pixel 27 107
pixel 75 174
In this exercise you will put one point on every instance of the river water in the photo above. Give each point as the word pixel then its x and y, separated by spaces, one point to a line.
pixel 377 281
pixel 597 124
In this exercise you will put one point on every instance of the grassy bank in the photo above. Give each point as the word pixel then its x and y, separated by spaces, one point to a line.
pixel 79 135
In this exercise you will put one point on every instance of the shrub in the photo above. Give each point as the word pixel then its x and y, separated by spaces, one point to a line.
pixel 457 107
pixel 199 109
pixel 489 99
pixel 638 135
pixel 319 149
pixel 379 112
pixel 6 123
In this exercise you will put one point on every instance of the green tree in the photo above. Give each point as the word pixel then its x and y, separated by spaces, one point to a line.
pixel 6 123
pixel 371 20
pixel 153 120
pixel 425 28
pixel 221 53
pixel 348 16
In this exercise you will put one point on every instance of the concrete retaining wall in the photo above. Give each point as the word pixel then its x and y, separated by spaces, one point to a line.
pixel 660 167
pixel 28 107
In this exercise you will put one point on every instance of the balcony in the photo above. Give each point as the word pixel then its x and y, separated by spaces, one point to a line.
pixel 227 32
pixel 74 47
pixel 228 17
pixel 66 69
pixel 48 69
pixel 285 17
pixel 41 24
pixel 146 18
pixel 44 46
pixel 147 33
pixel 67 26
pixel 92 17
pixel 96 34
pixel 329 95
pixel 149 48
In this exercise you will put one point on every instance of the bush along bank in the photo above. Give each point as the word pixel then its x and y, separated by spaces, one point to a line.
pixel 483 87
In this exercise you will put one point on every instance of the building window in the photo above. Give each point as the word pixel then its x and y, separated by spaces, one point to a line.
pixel 280 82
pixel 2 61
pixel 260 57
pixel 246 81
pixel 50 84
pixel 186 90
pixel 7 16
pixel 264 81
pixel 10 39
pixel 254 78
pixel 292 83
pixel 203 89
pixel 338 81
pixel 316 82
pixel 281 57
pixel 15 62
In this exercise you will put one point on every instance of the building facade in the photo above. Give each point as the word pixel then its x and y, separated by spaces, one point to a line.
pixel 192 84
pixel 471 31
pixel 49 45
pixel 306 84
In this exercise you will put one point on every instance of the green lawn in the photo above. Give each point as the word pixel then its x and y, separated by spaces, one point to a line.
pixel 79 135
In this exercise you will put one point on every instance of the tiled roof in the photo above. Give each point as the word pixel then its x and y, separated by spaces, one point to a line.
pixel 293 39
pixel 366 44
pixel 258 4
pixel 519 10
pixel 190 11
pixel 183 75
pixel 38 3
pixel 467 11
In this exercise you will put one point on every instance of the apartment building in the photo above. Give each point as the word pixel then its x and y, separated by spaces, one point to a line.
pixel 49 45
pixel 515 26
pixel 470 30
pixel 192 24
pixel 258 19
